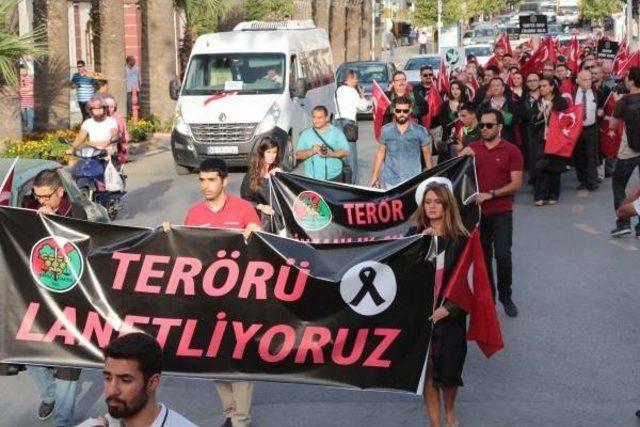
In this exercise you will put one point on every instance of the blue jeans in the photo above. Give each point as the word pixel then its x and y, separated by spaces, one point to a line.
pixel 27 119
pixel 53 389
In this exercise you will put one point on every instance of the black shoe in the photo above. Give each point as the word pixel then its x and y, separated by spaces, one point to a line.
pixel 593 187
pixel 45 410
pixel 621 230
pixel 509 307
pixel 581 187
pixel 638 414
pixel 227 423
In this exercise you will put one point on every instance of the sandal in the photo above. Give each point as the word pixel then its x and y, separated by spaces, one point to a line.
pixel 539 202
pixel 552 202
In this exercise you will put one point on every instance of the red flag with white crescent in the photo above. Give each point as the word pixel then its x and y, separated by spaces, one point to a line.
pixel 543 53
pixel 380 104
pixel 567 89
pixel 7 184
pixel 443 78
pixel 564 130
pixel 504 43
pixel 610 136
pixel 633 61
pixel 573 54
pixel 434 101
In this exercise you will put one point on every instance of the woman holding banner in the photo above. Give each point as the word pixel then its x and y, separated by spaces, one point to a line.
pixel 438 215
pixel 547 168
pixel 264 162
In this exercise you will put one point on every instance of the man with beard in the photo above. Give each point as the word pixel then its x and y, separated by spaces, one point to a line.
pixel 132 369
pixel 99 129
pixel 421 91
pixel 499 168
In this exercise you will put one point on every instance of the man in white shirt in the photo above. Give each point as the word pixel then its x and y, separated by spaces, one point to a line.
pixel 586 153
pixel 422 40
pixel 99 129
pixel 349 100
pixel 132 368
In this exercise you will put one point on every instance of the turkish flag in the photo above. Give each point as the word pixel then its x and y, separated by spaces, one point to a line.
pixel 443 78
pixel 567 89
pixel 573 53
pixel 434 101
pixel 472 87
pixel 492 61
pixel 504 43
pixel 564 130
pixel 472 293
pixel 7 184
pixel 380 104
pixel 610 137
pixel 632 61
pixel 545 52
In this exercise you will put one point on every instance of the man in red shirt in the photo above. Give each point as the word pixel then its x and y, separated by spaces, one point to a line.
pixel 499 170
pixel 222 210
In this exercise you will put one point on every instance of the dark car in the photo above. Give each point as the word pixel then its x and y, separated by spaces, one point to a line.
pixel 367 72
pixel 24 174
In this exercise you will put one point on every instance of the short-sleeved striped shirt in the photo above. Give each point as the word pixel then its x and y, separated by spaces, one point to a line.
pixel 26 91
pixel 85 89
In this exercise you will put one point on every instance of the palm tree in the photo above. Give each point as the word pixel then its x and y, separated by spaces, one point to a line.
pixel 13 47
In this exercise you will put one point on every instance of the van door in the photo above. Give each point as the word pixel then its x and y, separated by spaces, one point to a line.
pixel 300 107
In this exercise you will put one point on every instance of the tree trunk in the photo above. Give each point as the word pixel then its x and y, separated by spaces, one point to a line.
pixel 159 44
pixel 52 73
pixel 336 27
pixel 365 30
pixel 10 123
pixel 354 21
pixel 301 10
pixel 321 13
pixel 111 60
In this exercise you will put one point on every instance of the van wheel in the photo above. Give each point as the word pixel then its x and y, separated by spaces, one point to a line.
pixel 289 156
pixel 183 170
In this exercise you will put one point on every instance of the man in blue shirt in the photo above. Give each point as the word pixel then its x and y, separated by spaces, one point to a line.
pixel 322 147
pixel 402 145
pixel 84 88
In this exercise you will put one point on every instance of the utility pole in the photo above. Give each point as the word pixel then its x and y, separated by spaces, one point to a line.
pixel 630 23
pixel 440 24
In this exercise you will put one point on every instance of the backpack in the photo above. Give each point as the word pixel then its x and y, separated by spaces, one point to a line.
pixel 632 123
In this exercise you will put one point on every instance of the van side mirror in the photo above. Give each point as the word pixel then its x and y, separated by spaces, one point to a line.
pixel 174 89
pixel 299 88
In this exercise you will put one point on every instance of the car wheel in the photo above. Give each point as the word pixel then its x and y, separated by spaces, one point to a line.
pixel 183 170
pixel 289 155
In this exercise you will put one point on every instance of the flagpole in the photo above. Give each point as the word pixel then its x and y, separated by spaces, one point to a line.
pixel 13 165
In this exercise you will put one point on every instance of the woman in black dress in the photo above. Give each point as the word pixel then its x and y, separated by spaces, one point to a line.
pixel 438 215
pixel 264 162
pixel 448 117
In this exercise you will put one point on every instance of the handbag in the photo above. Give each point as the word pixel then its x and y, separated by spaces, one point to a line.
pixel 349 127
pixel 347 173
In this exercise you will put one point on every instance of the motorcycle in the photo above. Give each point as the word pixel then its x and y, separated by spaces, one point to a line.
pixel 89 175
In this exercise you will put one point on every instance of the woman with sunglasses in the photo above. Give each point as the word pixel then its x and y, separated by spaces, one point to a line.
pixel 448 119
pixel 438 216
pixel 547 167
pixel 264 162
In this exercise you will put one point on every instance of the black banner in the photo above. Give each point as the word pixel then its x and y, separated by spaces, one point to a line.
pixel 266 308
pixel 533 24
pixel 325 212
pixel 513 33
pixel 607 49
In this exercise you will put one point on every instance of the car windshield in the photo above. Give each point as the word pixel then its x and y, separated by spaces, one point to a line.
pixel 417 63
pixel 568 10
pixel 485 32
pixel 478 51
pixel 367 73
pixel 235 72
pixel 547 8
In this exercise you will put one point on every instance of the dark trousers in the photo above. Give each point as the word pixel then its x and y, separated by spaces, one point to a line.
pixel 129 104
pixel 547 186
pixel 586 156
pixel 83 110
pixel 621 176
pixel 423 49
pixel 496 233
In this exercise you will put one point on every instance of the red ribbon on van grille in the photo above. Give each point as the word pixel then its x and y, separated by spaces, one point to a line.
pixel 218 96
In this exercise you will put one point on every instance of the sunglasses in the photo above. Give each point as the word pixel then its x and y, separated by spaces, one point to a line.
pixel 402 110
pixel 427 75
pixel 487 125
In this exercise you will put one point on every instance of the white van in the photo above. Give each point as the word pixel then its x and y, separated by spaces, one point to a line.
pixel 261 79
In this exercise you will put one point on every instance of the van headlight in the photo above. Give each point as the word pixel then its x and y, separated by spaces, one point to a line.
pixel 181 126
pixel 270 119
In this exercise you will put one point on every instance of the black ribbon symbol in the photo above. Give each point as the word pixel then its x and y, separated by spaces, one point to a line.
pixel 367 276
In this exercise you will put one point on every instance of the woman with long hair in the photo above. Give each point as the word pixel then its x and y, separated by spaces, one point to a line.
pixel 529 110
pixel 448 118
pixel 264 162
pixel 548 167
pixel 438 215
pixel 517 84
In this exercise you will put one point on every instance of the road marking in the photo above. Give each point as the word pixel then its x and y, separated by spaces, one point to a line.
pixel 623 245
pixel 587 229
pixel 577 209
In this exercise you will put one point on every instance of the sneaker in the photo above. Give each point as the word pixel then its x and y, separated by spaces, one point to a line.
pixel 509 307
pixel 621 230
pixel 45 410
pixel 227 423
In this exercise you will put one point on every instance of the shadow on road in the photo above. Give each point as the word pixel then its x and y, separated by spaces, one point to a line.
pixel 140 199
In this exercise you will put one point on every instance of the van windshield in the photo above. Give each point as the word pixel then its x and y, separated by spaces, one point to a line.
pixel 235 72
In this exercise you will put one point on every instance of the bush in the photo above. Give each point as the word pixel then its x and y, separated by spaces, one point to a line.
pixel 52 146
pixel 138 131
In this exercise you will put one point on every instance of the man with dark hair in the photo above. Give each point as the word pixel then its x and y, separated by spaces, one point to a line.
pixel 322 148
pixel 499 100
pixel 627 108
pixel 132 81
pixel 499 167
pixel 222 210
pixel 132 370
pixel 48 196
pixel 85 88
pixel 548 69
pixel 420 93
pixel 402 144
pixel 469 131
pixel 399 87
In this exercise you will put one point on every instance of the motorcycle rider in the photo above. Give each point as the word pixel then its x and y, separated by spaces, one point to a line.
pixel 100 129
pixel 123 143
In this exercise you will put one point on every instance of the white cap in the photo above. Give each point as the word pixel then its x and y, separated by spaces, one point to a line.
pixel 433 180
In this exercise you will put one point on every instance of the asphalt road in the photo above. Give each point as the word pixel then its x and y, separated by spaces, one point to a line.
pixel 571 357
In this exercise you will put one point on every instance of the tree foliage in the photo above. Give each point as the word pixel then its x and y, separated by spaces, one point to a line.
pixel 268 10
pixel 598 9
pixel 426 13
